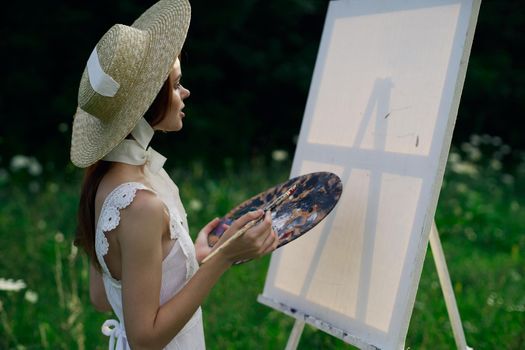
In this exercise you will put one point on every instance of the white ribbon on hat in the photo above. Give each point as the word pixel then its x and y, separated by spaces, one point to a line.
pixel 137 152
pixel 101 82
pixel 114 330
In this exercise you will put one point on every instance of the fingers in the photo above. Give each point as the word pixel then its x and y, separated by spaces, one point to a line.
pixel 211 225
pixel 262 235
pixel 246 218
pixel 276 242
pixel 256 241
pixel 257 231
pixel 271 243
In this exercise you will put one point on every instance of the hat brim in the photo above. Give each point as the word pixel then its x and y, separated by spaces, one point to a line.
pixel 167 24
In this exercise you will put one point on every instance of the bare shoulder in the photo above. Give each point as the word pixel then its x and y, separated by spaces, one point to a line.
pixel 115 177
pixel 146 203
pixel 144 215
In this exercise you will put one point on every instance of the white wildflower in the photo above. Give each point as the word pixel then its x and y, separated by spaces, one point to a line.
pixel 466 147
pixel 454 157
pixel 495 164
pixel 461 188
pixel 505 149
pixel 464 168
pixel 10 285
pixel 74 252
pixel 475 140
pixel 496 141
pixel 474 153
pixel 31 296
pixel 516 308
pixel 19 162
pixel 494 299
pixel 59 237
pixel 32 165
pixel 491 299
pixel 34 168
pixel 279 155
pixel 195 204
pixel 486 139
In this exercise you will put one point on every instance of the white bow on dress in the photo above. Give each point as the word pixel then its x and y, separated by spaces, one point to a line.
pixel 114 330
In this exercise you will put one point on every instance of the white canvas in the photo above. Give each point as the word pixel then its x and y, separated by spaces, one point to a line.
pixel 380 114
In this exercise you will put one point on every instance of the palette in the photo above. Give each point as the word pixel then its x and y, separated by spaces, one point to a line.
pixel 313 197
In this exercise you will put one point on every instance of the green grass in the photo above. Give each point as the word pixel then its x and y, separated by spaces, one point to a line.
pixel 481 218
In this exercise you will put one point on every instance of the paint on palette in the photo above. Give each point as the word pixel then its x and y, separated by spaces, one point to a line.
pixel 313 198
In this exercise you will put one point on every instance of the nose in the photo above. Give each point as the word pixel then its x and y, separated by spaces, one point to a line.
pixel 186 93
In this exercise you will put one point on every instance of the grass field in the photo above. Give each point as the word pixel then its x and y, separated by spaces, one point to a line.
pixel 44 300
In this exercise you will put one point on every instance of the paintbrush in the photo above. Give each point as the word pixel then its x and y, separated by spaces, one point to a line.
pixel 269 207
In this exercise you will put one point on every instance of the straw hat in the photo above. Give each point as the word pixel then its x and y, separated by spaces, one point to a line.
pixel 123 75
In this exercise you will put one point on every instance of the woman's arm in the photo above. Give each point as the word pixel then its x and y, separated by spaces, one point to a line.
pixel 97 293
pixel 149 325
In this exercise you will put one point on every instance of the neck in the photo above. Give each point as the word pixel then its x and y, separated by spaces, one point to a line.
pixel 128 171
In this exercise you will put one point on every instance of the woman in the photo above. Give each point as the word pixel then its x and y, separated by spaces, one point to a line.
pixel 132 224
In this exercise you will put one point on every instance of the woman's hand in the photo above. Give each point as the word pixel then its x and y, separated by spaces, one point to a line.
pixel 256 242
pixel 202 249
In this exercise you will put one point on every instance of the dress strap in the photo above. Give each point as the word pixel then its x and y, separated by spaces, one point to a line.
pixel 109 217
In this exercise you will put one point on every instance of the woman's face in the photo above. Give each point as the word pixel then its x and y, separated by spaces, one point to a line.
pixel 172 121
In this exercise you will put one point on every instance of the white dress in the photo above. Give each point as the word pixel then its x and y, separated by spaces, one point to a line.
pixel 178 266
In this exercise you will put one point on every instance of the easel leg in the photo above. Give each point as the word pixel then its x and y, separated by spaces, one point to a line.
pixel 446 287
pixel 295 336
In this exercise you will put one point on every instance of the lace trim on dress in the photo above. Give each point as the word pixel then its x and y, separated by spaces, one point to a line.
pixel 118 199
